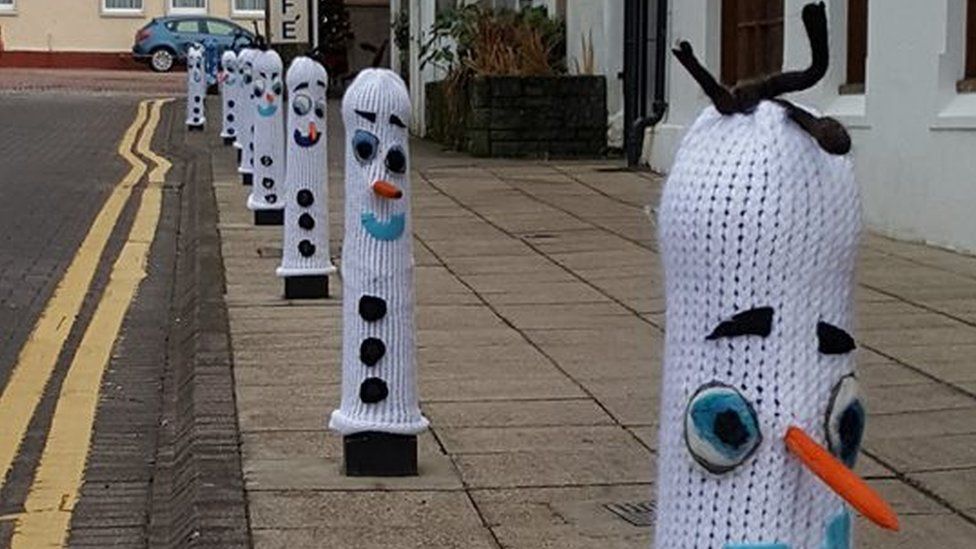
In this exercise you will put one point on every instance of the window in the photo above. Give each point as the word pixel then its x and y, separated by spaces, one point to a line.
pixel 857 46
pixel 248 7
pixel 968 83
pixel 122 6
pixel 188 6
pixel 6 5
pixel 221 28
pixel 185 26
pixel 752 39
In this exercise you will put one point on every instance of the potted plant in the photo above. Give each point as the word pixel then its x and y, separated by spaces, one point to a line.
pixel 506 92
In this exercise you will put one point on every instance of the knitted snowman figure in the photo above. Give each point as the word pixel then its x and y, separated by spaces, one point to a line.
pixel 245 115
pixel 266 200
pixel 196 88
pixel 761 417
pixel 379 411
pixel 305 261
pixel 228 94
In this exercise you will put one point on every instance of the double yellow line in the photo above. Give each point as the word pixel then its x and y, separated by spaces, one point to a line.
pixel 58 478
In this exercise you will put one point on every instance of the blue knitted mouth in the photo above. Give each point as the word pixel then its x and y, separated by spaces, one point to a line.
pixel 306 141
pixel 267 111
pixel 389 231
pixel 837 536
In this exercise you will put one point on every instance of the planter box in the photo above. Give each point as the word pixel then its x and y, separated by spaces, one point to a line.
pixel 511 116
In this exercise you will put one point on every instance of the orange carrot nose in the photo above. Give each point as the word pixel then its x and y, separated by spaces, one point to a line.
pixel 269 97
pixel 387 190
pixel 313 132
pixel 841 480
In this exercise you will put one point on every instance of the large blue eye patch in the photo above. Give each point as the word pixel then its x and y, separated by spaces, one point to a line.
pixel 845 420
pixel 364 144
pixel 721 428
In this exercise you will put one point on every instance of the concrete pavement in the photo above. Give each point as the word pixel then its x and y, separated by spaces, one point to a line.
pixel 540 330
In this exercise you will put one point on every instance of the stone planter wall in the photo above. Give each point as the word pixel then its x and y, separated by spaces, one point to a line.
pixel 509 116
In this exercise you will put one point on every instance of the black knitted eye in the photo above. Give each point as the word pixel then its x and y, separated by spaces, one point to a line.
pixel 259 88
pixel 845 420
pixel 365 143
pixel 396 161
pixel 320 109
pixel 721 429
pixel 276 88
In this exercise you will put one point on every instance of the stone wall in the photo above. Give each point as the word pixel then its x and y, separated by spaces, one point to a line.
pixel 511 116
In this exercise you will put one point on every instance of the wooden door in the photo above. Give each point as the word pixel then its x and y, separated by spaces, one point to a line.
pixel 752 39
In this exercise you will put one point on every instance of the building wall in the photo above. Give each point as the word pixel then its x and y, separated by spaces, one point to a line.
pixel 82 25
pixel 601 23
pixel 914 135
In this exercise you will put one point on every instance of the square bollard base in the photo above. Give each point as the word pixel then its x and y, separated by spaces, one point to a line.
pixel 307 287
pixel 247 179
pixel 373 454
pixel 229 141
pixel 269 217
pixel 240 153
pixel 194 128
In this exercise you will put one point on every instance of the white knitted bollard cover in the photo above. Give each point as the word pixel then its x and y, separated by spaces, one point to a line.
pixel 196 87
pixel 245 113
pixel 379 381
pixel 754 215
pixel 306 243
pixel 228 94
pixel 269 133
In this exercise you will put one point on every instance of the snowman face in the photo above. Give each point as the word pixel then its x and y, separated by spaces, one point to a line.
pixel 376 110
pixel 307 82
pixel 245 68
pixel 229 62
pixel 194 62
pixel 267 87
pixel 759 228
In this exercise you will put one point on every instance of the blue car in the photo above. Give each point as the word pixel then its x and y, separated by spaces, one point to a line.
pixel 164 40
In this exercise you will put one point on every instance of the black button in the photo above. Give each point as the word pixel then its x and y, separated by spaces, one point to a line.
pixel 371 351
pixel 196 110
pixel 305 198
pixel 306 248
pixel 371 308
pixel 306 222
pixel 230 117
pixel 231 104
pixel 271 198
pixel 196 98
pixel 266 161
pixel 373 390
pixel 267 183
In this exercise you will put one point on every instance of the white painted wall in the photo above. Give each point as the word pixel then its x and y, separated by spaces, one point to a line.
pixel 605 20
pixel 914 136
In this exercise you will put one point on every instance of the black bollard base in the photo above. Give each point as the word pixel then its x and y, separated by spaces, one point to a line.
pixel 194 128
pixel 240 153
pixel 307 287
pixel 373 454
pixel 247 179
pixel 229 141
pixel 269 217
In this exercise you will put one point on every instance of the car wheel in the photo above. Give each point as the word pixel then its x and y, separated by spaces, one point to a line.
pixel 162 60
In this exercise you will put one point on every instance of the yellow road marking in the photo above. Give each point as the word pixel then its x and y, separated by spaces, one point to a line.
pixel 40 353
pixel 59 475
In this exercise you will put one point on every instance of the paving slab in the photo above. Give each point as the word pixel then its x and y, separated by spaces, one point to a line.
pixel 540 333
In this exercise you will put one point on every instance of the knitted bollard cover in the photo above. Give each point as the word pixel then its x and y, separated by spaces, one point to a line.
pixel 759 225
pixel 306 241
pixel 246 112
pixel 379 385
pixel 269 130
pixel 196 87
pixel 228 94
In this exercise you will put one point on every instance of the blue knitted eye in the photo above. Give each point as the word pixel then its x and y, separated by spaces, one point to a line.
pixel 845 420
pixel 721 429
pixel 365 144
